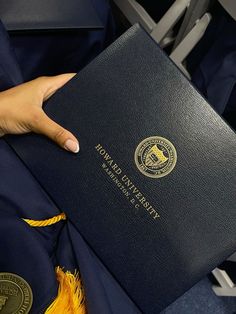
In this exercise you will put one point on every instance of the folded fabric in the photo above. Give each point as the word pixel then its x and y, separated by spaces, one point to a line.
pixel 10 74
pixel 215 76
pixel 51 53
pixel 33 253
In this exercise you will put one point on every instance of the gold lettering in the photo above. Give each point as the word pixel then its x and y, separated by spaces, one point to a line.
pixel 98 147
pixel 132 201
pixel 116 169
pixel 110 162
pixel 142 200
pixel 104 166
pixel 156 215
pixel 126 180
pixel 138 195
pixel 112 175
pixel 146 205
pixel 149 207
pixel 152 210
pixel 107 157
pixel 135 190
pixel 112 169
pixel 102 151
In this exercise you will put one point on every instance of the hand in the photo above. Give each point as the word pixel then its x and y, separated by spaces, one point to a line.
pixel 21 111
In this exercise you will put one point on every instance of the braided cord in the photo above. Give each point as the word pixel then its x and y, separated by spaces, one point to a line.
pixel 46 222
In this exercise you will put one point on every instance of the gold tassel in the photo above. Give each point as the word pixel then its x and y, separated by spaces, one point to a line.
pixel 70 298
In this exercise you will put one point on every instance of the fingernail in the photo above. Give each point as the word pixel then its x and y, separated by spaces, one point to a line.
pixel 72 146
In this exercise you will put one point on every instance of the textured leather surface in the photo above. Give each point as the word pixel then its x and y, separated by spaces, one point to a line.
pixel 48 15
pixel 130 92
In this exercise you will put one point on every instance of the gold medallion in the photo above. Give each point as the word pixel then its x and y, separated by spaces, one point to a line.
pixel 155 157
pixel 15 294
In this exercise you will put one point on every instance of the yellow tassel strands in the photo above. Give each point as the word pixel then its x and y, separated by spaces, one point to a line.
pixel 70 299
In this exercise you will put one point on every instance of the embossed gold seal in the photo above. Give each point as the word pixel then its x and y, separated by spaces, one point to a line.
pixel 155 157
pixel 15 294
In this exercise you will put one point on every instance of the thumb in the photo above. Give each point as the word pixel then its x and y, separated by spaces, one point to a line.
pixel 55 132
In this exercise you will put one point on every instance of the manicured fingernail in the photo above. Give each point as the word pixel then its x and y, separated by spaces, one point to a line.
pixel 72 146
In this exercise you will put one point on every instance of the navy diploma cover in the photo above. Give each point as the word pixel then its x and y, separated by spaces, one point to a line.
pixel 152 190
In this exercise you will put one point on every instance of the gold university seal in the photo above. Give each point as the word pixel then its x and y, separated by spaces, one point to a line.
pixel 15 294
pixel 155 157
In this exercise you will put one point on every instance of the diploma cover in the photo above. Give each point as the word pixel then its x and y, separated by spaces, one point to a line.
pixel 152 190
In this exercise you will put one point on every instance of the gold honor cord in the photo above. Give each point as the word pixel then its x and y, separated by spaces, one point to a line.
pixel 46 222
pixel 70 298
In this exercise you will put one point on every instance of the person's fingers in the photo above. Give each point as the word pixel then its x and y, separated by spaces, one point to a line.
pixel 44 125
pixel 22 112
pixel 52 83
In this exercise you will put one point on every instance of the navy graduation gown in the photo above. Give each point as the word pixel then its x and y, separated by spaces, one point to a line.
pixel 10 74
pixel 215 76
pixel 33 253
pixel 51 53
